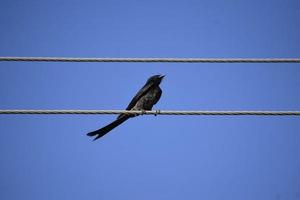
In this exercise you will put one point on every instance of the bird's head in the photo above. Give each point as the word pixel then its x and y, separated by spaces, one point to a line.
pixel 156 79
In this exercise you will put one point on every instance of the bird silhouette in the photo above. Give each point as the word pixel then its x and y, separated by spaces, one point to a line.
pixel 145 98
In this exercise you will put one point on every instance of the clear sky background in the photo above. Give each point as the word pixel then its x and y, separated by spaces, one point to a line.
pixel 164 157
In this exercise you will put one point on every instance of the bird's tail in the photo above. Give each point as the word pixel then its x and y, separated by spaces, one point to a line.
pixel 102 131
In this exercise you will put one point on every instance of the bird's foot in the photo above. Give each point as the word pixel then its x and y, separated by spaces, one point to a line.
pixel 157 112
pixel 143 112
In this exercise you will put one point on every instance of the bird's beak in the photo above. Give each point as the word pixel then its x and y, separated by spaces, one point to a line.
pixel 162 76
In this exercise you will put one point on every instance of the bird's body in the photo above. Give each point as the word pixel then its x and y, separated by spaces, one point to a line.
pixel 145 99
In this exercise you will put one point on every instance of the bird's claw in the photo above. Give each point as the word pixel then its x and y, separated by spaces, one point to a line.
pixel 156 112
pixel 143 112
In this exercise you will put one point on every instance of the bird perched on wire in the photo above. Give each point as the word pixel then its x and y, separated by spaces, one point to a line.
pixel 145 98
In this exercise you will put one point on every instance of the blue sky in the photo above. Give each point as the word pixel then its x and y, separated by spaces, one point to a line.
pixel 163 157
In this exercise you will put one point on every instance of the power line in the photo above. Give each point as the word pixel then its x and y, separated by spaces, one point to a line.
pixel 151 60
pixel 153 112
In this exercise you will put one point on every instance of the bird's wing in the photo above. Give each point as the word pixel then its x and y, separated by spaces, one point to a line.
pixel 138 95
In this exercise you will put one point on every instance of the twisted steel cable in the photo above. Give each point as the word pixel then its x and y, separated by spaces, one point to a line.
pixel 163 60
pixel 153 112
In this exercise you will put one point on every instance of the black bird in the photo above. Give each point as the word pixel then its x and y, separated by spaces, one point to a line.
pixel 146 97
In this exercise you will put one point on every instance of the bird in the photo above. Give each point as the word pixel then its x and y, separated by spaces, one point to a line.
pixel 144 99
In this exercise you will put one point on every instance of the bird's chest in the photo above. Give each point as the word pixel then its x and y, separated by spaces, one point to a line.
pixel 147 101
